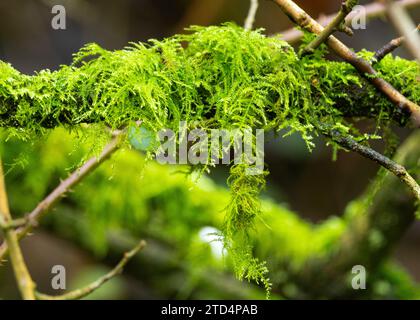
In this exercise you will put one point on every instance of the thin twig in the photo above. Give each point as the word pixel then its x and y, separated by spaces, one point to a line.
pixel 402 22
pixel 250 19
pixel 65 186
pixel 389 47
pixel 85 291
pixel 336 24
pixel 371 11
pixel 398 170
pixel 13 224
pixel 302 19
pixel 23 278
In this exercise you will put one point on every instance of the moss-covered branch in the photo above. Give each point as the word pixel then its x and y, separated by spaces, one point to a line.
pixel 365 69
pixel 315 260
pixel 225 77
pixel 213 78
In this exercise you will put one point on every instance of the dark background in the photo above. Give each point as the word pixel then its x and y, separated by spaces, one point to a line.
pixel 310 183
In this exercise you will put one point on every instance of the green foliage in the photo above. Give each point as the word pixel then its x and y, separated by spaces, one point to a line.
pixel 211 78
pixel 242 210
pixel 154 202
pixel 224 78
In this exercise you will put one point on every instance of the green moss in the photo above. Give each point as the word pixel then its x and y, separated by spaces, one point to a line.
pixel 211 78
pixel 241 213
pixel 169 208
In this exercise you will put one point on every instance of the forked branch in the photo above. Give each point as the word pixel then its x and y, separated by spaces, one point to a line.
pixel 402 22
pixel 337 23
pixel 12 236
pixel 65 186
pixel 365 69
pixel 370 11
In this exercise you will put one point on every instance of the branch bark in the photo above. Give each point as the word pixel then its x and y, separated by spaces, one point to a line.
pixel 250 19
pixel 302 19
pixel 398 170
pixel 404 25
pixel 386 214
pixel 376 222
pixel 372 11
pixel 23 278
pixel 390 47
pixel 334 25
pixel 65 186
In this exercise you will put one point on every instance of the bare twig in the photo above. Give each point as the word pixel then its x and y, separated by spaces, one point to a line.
pixel 380 210
pixel 12 236
pixel 372 10
pixel 250 19
pixel 85 291
pixel 402 22
pixel 65 186
pixel 301 18
pixel 337 23
pixel 12 224
pixel 23 278
pixel 398 170
pixel 389 47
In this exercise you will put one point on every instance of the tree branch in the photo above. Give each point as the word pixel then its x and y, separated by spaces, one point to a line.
pixel 23 278
pixel 372 11
pixel 12 224
pixel 390 47
pixel 85 291
pixel 398 170
pixel 301 18
pixel 250 19
pixel 376 221
pixel 385 214
pixel 404 25
pixel 336 24
pixel 65 186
